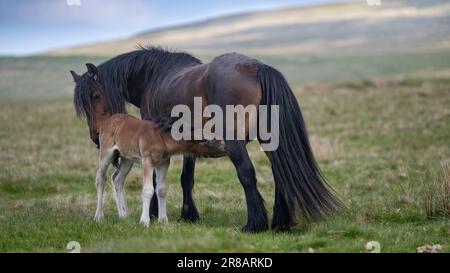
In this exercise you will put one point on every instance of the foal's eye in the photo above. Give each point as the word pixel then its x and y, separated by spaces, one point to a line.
pixel 96 97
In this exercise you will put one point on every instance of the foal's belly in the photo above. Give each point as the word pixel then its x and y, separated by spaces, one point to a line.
pixel 128 152
pixel 133 158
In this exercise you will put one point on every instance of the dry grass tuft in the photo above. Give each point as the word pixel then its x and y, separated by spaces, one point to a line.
pixel 437 197
pixel 326 149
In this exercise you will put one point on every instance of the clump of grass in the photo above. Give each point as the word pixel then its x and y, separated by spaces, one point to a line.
pixel 437 194
pixel 326 149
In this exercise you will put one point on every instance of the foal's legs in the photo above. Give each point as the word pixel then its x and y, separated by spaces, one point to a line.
pixel 161 189
pixel 256 212
pixel 189 210
pixel 119 181
pixel 100 181
pixel 154 201
pixel 147 190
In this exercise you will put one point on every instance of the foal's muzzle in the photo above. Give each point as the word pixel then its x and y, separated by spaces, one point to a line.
pixel 95 139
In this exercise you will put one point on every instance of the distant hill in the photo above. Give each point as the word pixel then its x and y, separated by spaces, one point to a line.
pixel 318 44
pixel 346 28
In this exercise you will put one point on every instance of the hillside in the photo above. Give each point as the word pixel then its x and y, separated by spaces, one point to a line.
pixel 327 43
pixel 335 28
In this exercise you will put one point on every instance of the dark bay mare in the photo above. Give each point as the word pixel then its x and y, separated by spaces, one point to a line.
pixel 155 80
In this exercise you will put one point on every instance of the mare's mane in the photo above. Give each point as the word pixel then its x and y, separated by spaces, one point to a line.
pixel 148 64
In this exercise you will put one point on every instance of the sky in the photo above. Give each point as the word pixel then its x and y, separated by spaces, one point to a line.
pixel 32 26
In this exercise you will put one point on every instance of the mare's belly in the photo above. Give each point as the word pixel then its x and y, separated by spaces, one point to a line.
pixel 210 148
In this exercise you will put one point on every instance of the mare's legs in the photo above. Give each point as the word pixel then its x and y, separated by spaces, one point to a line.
pixel 189 210
pixel 256 212
pixel 282 218
pixel 100 181
pixel 161 189
pixel 147 190
pixel 119 181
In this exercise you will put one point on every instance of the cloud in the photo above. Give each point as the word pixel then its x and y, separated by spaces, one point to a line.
pixel 126 13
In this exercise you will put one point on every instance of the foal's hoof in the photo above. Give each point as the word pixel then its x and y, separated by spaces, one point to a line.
pixel 98 217
pixel 123 215
pixel 164 221
pixel 145 222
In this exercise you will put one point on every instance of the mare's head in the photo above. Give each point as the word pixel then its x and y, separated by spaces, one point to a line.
pixel 91 100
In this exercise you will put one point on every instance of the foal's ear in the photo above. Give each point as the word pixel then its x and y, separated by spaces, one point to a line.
pixel 75 76
pixel 92 70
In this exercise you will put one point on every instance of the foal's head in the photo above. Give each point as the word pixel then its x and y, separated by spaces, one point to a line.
pixel 91 100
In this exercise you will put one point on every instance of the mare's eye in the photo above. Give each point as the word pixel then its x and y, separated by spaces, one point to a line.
pixel 96 96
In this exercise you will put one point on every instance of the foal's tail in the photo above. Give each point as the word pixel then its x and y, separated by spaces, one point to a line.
pixel 115 159
pixel 299 183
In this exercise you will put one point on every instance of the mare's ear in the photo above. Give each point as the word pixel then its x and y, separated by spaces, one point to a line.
pixel 75 76
pixel 92 71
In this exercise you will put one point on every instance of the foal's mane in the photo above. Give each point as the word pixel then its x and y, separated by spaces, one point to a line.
pixel 150 64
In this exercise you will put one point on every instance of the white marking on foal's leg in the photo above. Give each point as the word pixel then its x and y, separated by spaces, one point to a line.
pixel 100 181
pixel 161 190
pixel 119 181
pixel 147 191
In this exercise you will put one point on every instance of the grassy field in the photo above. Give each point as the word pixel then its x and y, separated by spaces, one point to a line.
pixel 383 145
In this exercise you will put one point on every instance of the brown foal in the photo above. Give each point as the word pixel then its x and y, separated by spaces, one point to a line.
pixel 133 141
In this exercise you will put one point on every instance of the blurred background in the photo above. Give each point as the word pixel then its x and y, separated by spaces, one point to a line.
pixel 308 40
pixel 373 82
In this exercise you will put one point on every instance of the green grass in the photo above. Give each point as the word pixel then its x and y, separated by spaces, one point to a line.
pixel 39 77
pixel 380 143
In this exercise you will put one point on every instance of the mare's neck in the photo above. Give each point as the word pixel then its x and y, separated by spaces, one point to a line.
pixel 133 75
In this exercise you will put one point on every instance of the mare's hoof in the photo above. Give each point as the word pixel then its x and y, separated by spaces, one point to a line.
pixel 190 216
pixel 255 228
